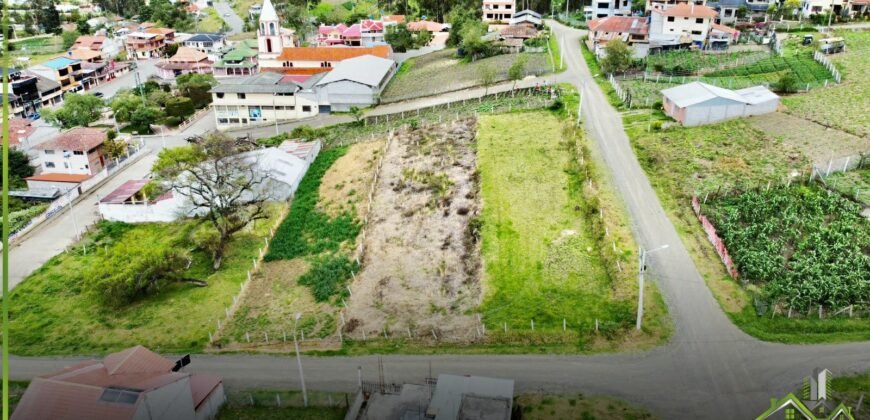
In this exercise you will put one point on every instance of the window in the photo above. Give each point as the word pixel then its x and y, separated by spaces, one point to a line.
pixel 729 12
pixel 49 164
pixel 696 32
pixel 241 95
pixel 78 152
pixel 699 20
pixel 789 414
pixel 670 18
pixel 49 152
pixel 220 95
pixel 222 121
pixel 306 108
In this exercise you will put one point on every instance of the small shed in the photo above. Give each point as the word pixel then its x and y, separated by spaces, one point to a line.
pixel 698 103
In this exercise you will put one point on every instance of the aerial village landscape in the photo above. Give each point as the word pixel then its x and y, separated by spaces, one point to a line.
pixel 438 209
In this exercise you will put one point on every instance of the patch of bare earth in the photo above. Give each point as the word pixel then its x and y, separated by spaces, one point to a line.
pixel 421 267
pixel 817 142
pixel 346 185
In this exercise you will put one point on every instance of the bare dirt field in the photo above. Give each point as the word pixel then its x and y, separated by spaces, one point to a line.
pixel 347 182
pixel 421 268
pixel 816 141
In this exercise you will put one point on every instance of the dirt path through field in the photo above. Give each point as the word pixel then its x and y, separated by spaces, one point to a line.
pixel 421 269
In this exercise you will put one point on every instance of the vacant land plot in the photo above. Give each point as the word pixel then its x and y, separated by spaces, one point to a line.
pixel 815 141
pixel 734 156
pixel 212 22
pixel 854 61
pixel 325 214
pixel 577 407
pixel 544 266
pixel 38 49
pixel 420 271
pixel 53 311
pixel 442 71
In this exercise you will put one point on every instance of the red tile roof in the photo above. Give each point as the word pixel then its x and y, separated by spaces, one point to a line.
pixel 125 191
pixel 77 139
pixel 425 25
pixel 202 385
pixel 136 360
pixel 332 53
pixel 18 124
pixel 620 24
pixel 727 29
pixel 90 42
pixel 394 18
pixel 52 177
pixel 690 10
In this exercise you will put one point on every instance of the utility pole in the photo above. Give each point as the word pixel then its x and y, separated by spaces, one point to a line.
pixel 830 14
pixel 580 105
pixel 640 282
pixel 299 361
pixel 561 51
pixel 275 111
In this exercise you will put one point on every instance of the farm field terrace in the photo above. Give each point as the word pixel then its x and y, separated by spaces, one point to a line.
pixel 54 312
pixel 733 155
pixel 430 74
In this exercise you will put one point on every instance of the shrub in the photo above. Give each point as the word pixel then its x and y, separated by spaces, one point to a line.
pixel 656 125
pixel 328 276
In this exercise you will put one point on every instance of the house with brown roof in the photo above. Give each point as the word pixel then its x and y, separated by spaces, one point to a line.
pixel 314 60
pixel 186 60
pixel 166 33
pixel 19 130
pixel 629 29
pixel 75 151
pixel 93 43
pixel 132 384
pixel 144 45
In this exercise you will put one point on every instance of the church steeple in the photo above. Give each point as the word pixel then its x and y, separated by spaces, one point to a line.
pixel 269 37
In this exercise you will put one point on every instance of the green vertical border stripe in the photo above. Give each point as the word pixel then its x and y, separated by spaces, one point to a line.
pixel 5 210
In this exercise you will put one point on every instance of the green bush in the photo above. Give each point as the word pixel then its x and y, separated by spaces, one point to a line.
pixel 328 276
pixel 180 107
pixel 274 140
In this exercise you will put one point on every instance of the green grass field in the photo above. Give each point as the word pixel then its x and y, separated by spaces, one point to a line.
pixel 577 407
pixel 542 259
pixel 212 22
pixel 52 312
pixel 849 390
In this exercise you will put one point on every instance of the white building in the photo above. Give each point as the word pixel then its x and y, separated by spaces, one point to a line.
pixel 605 8
pixel 498 10
pixel 282 169
pixel 207 43
pixel 258 99
pixel 683 20
pixel 78 151
pixel 698 103
pixel 815 7
pixel 354 82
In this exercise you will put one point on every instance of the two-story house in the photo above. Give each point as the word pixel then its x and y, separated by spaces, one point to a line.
pixel 24 98
pixel 683 20
pixel 66 71
pixel 237 60
pixel 143 45
pixel 498 10
pixel 210 44
pixel 604 8
pixel 186 60
pixel 262 98
pixel 78 151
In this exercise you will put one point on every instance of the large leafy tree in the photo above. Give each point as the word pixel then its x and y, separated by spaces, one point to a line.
pixel 219 182
pixel 124 104
pixel 618 57
pixel 76 111
pixel 196 87
pixel 47 17
pixel 19 167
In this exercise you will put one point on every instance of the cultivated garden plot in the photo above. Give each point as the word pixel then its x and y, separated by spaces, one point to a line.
pixel 327 211
pixel 420 272
pixel 442 71
pixel 854 185
pixel 731 156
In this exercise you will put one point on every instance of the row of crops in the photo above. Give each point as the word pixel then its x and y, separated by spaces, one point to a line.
pixel 802 245
pixel 804 68
pixel 685 62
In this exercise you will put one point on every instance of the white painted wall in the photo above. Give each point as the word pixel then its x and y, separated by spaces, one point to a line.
pixel 162 211
pixel 498 10
pixel 686 25
pixel 68 162
pixel 233 111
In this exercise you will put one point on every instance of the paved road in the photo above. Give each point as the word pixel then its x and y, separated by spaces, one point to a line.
pixel 226 12
pixel 145 68
pixel 710 369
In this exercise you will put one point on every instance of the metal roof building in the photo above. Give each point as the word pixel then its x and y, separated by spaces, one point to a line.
pixel 356 82
pixel 699 103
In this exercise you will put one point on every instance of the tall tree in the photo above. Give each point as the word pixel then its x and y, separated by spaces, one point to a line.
pixel 196 86
pixel 77 111
pixel 47 17
pixel 486 74
pixel 618 57
pixel 227 187
pixel 19 167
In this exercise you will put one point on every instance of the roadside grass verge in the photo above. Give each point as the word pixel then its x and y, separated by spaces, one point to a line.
pixel 434 73
pixel 849 389
pixel 734 156
pixel 284 404
pixel 577 406
pixel 51 312
pixel 543 260
pixel 556 52
pixel 599 76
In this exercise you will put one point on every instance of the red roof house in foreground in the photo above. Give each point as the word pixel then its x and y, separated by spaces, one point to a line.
pixel 133 384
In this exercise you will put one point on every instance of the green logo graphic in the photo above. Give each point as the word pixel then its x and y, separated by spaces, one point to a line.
pixel 814 404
